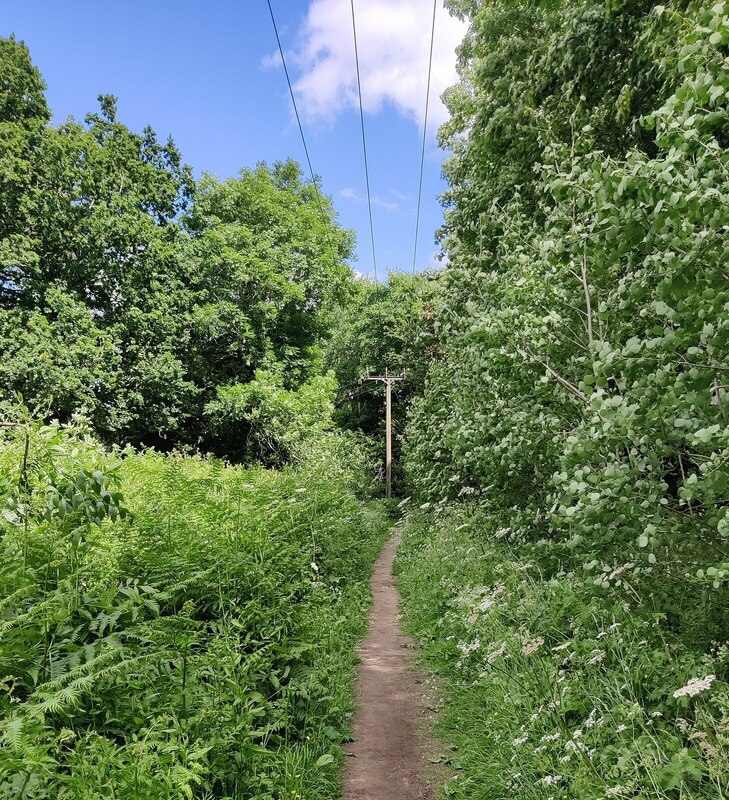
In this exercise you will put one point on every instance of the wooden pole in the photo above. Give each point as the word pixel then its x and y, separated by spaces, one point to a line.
pixel 388 380
pixel 388 438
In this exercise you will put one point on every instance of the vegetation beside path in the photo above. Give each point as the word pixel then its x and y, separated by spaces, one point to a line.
pixel 172 627
pixel 569 572
pixel 553 689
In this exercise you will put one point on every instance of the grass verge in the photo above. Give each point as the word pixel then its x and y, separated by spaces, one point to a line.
pixel 555 688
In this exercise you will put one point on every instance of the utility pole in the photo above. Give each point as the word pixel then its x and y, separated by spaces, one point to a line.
pixel 388 380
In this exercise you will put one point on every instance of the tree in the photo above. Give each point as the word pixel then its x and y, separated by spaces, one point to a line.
pixel 23 117
pixel 580 398
pixel 384 326
pixel 142 302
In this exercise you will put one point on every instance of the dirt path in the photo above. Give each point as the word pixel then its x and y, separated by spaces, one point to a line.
pixel 386 759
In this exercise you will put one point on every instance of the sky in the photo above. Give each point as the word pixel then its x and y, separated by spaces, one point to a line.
pixel 210 75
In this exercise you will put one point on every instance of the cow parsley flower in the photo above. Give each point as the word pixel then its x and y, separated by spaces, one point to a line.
pixel 532 646
pixel 500 651
pixel 596 656
pixel 469 647
pixel 695 686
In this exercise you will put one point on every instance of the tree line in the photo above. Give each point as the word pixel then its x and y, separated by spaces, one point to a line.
pixel 168 311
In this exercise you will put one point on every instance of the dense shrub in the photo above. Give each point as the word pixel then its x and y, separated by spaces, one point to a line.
pixel 172 627
pixel 582 394
pixel 577 419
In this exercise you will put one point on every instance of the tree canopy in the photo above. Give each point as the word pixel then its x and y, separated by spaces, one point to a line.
pixel 140 297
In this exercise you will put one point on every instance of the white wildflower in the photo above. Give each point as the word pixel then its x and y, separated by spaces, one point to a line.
pixel 485 604
pixel 532 646
pixel 592 720
pixel 519 741
pixel 470 647
pixel 621 728
pixel 500 651
pixel 561 647
pixel 596 656
pixel 695 686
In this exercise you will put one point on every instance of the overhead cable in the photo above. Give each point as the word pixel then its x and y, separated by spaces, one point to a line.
pixel 425 134
pixel 325 217
pixel 364 141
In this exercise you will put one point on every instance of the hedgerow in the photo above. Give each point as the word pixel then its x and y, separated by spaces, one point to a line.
pixel 173 627
pixel 579 400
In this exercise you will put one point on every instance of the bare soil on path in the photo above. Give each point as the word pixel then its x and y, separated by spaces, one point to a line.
pixel 386 759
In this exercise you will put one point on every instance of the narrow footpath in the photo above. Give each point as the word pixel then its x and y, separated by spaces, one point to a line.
pixel 386 760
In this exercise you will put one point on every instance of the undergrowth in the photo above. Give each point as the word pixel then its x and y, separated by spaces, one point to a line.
pixel 172 627
pixel 557 687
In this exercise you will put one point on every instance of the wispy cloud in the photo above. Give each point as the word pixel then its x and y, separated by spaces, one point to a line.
pixel 393 38
pixel 352 194
pixel 271 61
pixel 403 198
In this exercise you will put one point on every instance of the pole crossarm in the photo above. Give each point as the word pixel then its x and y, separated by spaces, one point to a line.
pixel 384 378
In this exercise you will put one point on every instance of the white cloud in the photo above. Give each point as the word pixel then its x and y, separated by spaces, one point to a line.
pixel 352 194
pixel 271 61
pixel 393 38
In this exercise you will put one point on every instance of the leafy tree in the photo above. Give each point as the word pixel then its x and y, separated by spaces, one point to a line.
pixel 581 395
pixel 267 266
pixel 385 326
pixel 140 301
pixel 23 117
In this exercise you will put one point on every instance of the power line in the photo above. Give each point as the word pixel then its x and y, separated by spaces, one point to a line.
pixel 425 133
pixel 364 142
pixel 325 217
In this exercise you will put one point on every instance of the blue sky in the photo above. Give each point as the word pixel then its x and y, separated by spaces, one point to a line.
pixel 209 75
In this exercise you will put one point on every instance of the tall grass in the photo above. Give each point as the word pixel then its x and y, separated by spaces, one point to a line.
pixel 172 627
pixel 558 688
